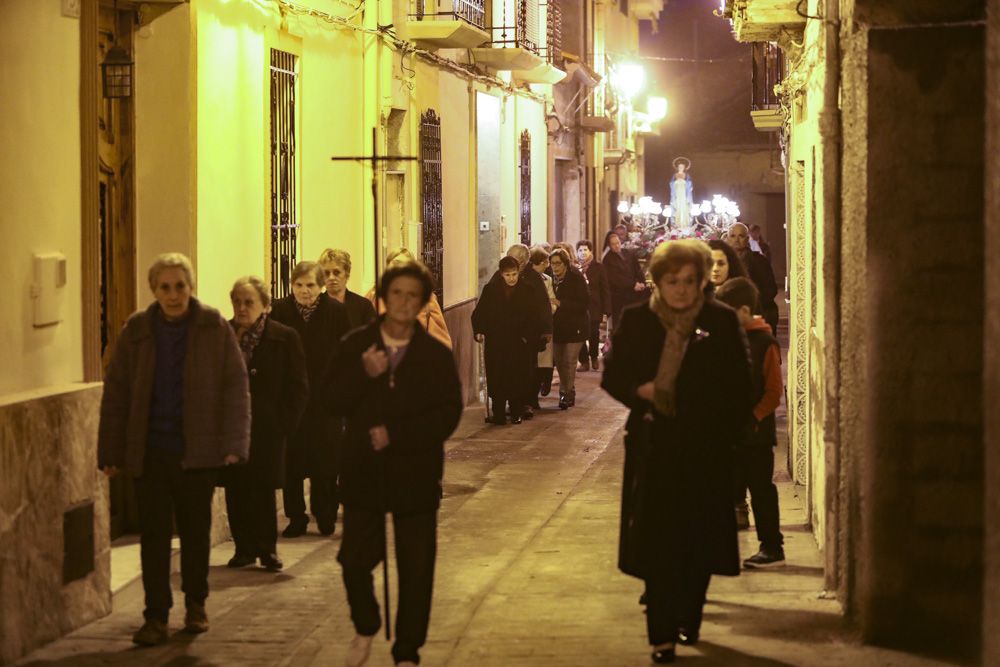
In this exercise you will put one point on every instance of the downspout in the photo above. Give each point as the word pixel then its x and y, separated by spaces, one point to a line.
pixel 830 124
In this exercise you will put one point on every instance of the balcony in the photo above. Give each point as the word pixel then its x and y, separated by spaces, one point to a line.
pixel 515 44
pixel 765 20
pixel 768 63
pixel 553 70
pixel 444 24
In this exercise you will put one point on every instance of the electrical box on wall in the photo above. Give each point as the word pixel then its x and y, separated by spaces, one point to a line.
pixel 48 288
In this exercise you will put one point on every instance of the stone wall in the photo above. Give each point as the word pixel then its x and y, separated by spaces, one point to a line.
pixel 919 459
pixel 48 465
pixel 991 363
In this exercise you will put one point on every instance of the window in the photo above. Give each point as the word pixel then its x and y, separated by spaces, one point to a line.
pixel 525 235
pixel 432 251
pixel 284 211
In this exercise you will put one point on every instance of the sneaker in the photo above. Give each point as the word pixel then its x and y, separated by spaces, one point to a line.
pixel 742 516
pixel 765 558
pixel 195 619
pixel 152 633
pixel 358 650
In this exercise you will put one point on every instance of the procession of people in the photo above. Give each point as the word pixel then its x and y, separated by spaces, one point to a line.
pixel 359 394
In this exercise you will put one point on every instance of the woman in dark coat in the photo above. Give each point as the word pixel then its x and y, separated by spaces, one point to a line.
pixel 336 265
pixel 598 306
pixel 626 282
pixel 506 319
pixel 398 387
pixel 570 323
pixel 313 449
pixel 279 391
pixel 671 361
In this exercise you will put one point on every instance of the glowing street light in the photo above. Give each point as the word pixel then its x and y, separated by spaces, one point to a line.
pixel 628 79
pixel 656 107
pixel 623 206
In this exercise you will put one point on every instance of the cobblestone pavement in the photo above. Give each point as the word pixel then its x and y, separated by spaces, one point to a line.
pixel 526 575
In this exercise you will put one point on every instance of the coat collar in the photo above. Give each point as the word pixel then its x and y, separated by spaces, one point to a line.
pixel 200 316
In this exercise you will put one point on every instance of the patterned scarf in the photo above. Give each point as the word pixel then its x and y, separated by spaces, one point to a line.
pixel 251 337
pixel 307 311
pixel 679 325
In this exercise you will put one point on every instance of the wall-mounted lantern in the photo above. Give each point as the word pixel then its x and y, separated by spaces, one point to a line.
pixel 116 73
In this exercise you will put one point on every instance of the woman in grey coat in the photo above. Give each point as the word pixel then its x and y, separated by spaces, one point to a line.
pixel 176 408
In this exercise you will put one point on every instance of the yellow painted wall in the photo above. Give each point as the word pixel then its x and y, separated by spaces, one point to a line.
pixel 164 142
pixel 459 213
pixel 39 189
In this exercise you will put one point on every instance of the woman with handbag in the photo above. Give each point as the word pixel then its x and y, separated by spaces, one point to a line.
pixel 670 360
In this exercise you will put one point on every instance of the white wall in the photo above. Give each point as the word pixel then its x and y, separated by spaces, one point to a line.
pixel 39 189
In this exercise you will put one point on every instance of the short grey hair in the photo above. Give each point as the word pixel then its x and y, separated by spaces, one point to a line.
pixel 258 284
pixel 170 260
pixel 520 252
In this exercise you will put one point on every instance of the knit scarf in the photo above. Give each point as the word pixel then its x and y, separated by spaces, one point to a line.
pixel 678 324
pixel 307 311
pixel 586 265
pixel 251 337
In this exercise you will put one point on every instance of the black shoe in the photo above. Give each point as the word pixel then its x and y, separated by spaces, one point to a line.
pixel 687 637
pixel 564 402
pixel 572 398
pixel 271 563
pixel 241 560
pixel 528 413
pixel 295 529
pixel 765 558
pixel 516 419
pixel 545 388
pixel 326 526
pixel 664 656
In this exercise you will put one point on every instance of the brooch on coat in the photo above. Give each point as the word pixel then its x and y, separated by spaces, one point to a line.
pixel 700 335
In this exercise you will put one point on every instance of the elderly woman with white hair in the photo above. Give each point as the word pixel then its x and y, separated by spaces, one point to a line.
pixel 279 392
pixel 673 360
pixel 176 408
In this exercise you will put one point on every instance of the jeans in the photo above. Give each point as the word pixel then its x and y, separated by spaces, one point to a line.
pixel 166 492
pixel 755 470
pixel 362 549
pixel 565 357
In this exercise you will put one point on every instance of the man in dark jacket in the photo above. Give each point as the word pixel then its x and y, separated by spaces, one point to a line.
pixel 599 305
pixel 399 390
pixel 759 270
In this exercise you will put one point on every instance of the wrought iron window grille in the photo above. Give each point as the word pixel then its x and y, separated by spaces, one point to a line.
pixel 470 11
pixel 525 169
pixel 553 34
pixel 432 203
pixel 768 63
pixel 284 227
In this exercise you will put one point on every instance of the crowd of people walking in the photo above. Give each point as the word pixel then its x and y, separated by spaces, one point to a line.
pixel 358 394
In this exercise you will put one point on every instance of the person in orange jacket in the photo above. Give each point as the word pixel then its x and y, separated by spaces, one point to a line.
pixel 431 317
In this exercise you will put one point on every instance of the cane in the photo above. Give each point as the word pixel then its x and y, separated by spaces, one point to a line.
pixel 385 572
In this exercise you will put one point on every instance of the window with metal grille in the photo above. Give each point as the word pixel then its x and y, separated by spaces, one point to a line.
pixel 525 234
pixel 432 250
pixel 553 33
pixel 526 32
pixel 470 11
pixel 284 209
pixel 768 71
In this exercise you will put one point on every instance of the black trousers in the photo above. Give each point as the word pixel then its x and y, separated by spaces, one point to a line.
pixel 165 492
pixel 416 550
pixel 252 511
pixel 592 346
pixel 324 499
pixel 675 599
pixel 755 471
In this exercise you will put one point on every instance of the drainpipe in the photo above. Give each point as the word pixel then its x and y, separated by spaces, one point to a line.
pixel 830 124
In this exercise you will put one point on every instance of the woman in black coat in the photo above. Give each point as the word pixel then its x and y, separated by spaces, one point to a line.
pixel 598 306
pixel 279 390
pixel 399 390
pixel 506 319
pixel 336 265
pixel 570 323
pixel 671 361
pixel 626 282
pixel 313 449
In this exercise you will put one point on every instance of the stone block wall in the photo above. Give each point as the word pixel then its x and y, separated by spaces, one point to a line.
pixel 48 465
pixel 920 460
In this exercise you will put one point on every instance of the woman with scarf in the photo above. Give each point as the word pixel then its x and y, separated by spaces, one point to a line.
pixel 671 360
pixel 279 390
pixel 569 322
pixel 314 448
pixel 625 280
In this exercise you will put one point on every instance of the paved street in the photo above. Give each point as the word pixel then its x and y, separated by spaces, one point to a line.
pixel 526 575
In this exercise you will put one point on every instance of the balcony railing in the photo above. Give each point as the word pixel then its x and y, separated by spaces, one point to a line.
pixel 470 11
pixel 525 33
pixel 553 33
pixel 768 71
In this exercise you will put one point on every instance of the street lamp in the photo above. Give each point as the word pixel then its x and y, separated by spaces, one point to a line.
pixel 623 206
pixel 656 107
pixel 628 79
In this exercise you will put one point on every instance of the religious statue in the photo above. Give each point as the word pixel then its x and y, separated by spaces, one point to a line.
pixel 681 193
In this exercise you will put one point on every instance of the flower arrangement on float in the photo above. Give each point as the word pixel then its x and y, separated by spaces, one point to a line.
pixel 650 223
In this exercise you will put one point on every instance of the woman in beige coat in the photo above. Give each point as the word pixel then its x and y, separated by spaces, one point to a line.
pixel 431 317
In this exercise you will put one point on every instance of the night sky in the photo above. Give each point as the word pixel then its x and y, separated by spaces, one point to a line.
pixel 709 101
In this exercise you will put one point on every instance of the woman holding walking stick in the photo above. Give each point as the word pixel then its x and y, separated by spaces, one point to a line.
pixel 399 389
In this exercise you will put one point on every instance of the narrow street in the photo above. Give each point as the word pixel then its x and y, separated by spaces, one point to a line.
pixel 526 575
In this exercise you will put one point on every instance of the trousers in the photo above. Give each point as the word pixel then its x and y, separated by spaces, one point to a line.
pixel 755 471
pixel 252 511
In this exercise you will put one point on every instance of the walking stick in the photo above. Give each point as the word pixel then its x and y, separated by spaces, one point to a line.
pixel 385 569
